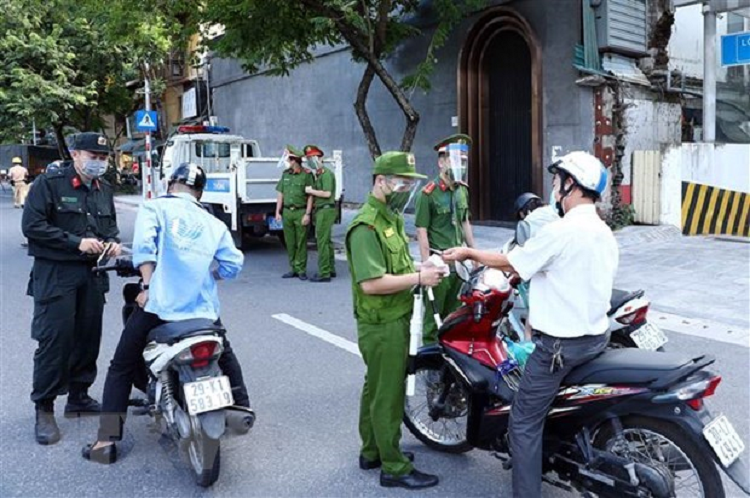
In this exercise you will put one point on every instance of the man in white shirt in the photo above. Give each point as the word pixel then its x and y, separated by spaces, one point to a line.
pixel 572 264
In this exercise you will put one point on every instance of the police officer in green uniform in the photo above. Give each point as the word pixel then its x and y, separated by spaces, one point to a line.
pixel 383 275
pixel 69 220
pixel 324 191
pixel 442 221
pixel 294 208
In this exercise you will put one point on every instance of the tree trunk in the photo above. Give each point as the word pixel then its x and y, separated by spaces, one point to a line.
pixel 410 113
pixel 360 106
pixel 361 48
pixel 62 147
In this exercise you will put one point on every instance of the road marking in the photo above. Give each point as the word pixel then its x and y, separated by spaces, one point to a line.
pixel 706 329
pixel 314 331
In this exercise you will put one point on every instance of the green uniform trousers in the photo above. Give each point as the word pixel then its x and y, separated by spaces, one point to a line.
pixel 295 236
pixel 384 348
pixel 446 302
pixel 324 220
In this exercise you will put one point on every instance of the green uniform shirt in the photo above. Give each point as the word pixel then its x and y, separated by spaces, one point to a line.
pixel 292 187
pixel 376 245
pixel 61 210
pixel 442 212
pixel 326 181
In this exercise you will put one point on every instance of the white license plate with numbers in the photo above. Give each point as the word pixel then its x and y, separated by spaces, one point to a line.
pixel 724 440
pixel 649 336
pixel 207 395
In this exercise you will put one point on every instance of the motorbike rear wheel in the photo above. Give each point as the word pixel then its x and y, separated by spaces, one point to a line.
pixel 655 442
pixel 446 433
pixel 204 454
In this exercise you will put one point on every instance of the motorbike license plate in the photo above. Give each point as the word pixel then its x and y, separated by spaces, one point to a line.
pixel 208 395
pixel 649 336
pixel 275 225
pixel 724 440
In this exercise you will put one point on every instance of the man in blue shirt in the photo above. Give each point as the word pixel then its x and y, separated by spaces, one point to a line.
pixel 180 250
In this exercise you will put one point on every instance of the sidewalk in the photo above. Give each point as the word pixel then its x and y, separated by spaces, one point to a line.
pixel 697 283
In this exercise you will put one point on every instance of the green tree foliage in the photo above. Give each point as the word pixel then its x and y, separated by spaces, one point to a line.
pixel 278 35
pixel 66 62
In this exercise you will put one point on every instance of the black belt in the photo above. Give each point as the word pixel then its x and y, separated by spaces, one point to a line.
pixel 293 208
pixel 325 206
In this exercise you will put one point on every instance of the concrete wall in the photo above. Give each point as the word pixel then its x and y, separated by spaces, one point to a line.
pixel 725 167
pixel 315 104
pixel 650 125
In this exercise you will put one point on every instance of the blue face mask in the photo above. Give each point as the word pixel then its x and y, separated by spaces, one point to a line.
pixel 94 167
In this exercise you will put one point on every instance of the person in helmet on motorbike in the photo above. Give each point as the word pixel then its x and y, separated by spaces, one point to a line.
pixel 572 264
pixel 181 251
pixel 532 215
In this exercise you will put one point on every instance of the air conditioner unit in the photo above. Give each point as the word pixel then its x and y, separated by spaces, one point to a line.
pixel 621 26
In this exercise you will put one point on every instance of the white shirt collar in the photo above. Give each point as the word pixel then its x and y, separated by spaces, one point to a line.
pixel 582 210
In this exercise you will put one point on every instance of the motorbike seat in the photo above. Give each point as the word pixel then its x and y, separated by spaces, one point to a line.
pixel 627 366
pixel 620 297
pixel 172 332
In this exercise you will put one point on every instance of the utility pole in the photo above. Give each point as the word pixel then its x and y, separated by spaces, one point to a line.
pixel 148 174
pixel 709 72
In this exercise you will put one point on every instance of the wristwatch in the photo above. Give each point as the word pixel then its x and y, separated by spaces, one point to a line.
pixel 144 286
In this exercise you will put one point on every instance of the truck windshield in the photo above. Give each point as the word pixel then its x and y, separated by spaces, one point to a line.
pixel 212 149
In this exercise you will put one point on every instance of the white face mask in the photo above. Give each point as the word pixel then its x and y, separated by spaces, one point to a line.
pixel 94 167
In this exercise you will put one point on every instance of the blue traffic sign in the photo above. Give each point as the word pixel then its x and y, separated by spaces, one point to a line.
pixel 145 120
pixel 735 49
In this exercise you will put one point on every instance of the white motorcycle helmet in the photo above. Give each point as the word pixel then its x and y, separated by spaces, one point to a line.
pixel 585 169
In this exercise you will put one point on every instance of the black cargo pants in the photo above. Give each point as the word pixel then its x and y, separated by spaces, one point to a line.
pixel 539 385
pixel 67 324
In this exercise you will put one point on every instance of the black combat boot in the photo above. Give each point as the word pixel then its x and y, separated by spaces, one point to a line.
pixel 45 428
pixel 80 403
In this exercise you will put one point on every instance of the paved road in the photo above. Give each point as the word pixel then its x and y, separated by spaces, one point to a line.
pixel 305 391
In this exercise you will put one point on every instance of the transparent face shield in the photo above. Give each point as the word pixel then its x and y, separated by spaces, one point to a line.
pixel 402 192
pixel 457 156
pixel 284 160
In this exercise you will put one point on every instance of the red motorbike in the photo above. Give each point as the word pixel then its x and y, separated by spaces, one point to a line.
pixel 629 423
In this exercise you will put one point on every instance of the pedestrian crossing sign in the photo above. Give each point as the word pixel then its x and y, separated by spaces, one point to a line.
pixel 145 120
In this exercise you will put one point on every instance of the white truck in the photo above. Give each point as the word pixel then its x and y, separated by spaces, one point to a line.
pixel 241 185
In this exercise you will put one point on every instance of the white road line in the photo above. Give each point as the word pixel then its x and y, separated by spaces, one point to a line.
pixel 314 331
pixel 706 329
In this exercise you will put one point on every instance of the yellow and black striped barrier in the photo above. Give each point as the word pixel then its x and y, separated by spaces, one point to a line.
pixel 713 210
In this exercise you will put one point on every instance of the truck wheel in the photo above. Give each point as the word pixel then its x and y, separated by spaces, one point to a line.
pixel 237 237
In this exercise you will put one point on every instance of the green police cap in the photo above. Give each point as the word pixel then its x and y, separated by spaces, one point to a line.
pixel 313 150
pixel 295 152
pixel 397 163
pixel 458 137
pixel 92 142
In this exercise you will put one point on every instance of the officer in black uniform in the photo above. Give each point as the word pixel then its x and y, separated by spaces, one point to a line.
pixel 69 220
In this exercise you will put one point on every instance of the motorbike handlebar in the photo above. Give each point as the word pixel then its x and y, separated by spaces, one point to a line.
pixel 123 267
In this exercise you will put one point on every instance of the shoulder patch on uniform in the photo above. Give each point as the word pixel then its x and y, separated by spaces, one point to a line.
pixel 429 188
pixel 55 174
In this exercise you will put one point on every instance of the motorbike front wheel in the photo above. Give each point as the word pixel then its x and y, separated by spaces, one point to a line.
pixel 441 426
pixel 204 454
pixel 667 448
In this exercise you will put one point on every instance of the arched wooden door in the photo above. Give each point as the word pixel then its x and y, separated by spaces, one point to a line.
pixel 500 107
